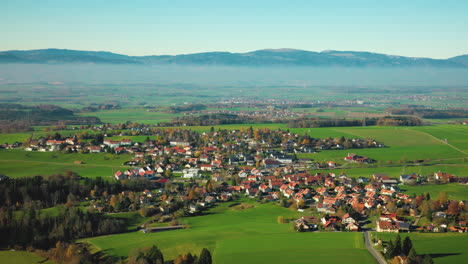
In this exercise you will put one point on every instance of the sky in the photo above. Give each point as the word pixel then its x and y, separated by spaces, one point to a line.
pixel 415 28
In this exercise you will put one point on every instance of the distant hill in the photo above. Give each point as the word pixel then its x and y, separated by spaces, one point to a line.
pixel 266 57
pixel 463 59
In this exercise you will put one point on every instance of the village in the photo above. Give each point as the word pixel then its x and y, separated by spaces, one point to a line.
pixel 192 171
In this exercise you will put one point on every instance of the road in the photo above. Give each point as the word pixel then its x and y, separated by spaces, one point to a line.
pixel 371 249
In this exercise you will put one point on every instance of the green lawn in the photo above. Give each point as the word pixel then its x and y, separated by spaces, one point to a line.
pixel 245 236
pixel 21 257
pixel 445 248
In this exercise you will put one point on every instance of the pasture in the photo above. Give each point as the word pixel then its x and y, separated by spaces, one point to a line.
pixel 138 115
pixel 21 257
pixel 445 248
pixel 244 236
pixel 18 163
pixel 454 191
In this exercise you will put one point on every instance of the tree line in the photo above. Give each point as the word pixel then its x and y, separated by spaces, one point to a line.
pixel 431 113
pixel 39 192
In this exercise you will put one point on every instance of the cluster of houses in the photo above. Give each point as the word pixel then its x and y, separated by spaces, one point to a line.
pixel 263 164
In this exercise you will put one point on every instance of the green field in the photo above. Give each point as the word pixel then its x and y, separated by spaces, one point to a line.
pixel 245 236
pixel 402 144
pixel 22 136
pixel 133 115
pixel 454 190
pixel 21 257
pixel 18 163
pixel 445 248
pixel 454 134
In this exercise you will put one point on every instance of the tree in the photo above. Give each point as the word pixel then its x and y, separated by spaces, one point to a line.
pixel 442 198
pixel 205 257
pixel 412 256
pixel 155 255
pixel 407 245
pixel 280 219
pixel 389 250
pixel 427 260
pixel 397 250
pixel 453 208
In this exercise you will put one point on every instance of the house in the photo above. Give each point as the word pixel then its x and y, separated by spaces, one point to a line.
pixel 306 223
pixel 120 176
pixel 206 167
pixel 380 177
pixel 191 173
pixel 112 143
pixel 352 227
pixel 94 149
pixel 442 176
pixel 264 188
pixel 387 226
pixel 269 163
pixel 325 208
pixel 410 179
pixel 179 143
pixel 126 142
pixel 251 191
pixel 193 208
pixel 347 219
pixel 284 159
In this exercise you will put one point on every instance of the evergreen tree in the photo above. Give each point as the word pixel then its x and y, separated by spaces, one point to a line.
pixel 397 250
pixel 389 250
pixel 407 245
pixel 155 255
pixel 205 257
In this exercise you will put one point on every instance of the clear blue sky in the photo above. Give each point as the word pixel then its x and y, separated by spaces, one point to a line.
pixel 420 28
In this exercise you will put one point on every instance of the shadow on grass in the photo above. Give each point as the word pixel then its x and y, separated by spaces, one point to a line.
pixel 441 255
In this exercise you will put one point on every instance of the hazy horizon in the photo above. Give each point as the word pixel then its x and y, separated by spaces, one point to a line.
pixel 231 75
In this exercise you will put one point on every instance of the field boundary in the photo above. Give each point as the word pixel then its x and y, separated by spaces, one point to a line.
pixel 444 142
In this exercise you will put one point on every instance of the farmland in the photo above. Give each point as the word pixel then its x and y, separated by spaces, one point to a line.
pixel 17 163
pixel 248 236
pixel 444 248
pixel 402 144
pixel 21 257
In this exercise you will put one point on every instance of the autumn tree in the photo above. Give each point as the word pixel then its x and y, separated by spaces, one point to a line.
pixel 453 208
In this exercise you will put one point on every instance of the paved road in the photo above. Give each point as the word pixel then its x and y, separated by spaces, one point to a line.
pixel 371 249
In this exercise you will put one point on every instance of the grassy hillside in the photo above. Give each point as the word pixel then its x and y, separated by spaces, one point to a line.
pixel 244 236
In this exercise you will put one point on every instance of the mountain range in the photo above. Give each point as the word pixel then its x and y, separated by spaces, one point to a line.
pixel 266 57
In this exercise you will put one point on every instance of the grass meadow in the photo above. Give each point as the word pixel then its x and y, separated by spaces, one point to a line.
pixel 244 236
pixel 21 257
pixel 445 248
pixel 18 163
